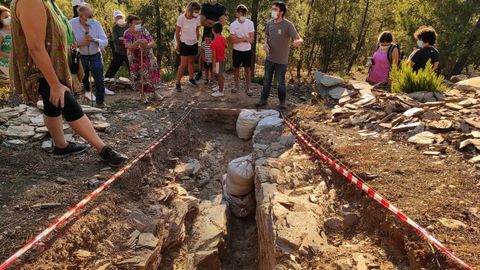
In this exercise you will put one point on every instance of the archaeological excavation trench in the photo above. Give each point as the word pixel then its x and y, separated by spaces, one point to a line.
pixel 180 208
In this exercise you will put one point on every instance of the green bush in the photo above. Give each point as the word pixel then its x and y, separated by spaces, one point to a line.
pixel 258 80
pixel 169 76
pixel 405 80
pixel 4 92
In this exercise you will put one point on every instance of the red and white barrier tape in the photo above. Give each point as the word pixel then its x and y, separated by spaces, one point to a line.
pixel 91 196
pixel 377 197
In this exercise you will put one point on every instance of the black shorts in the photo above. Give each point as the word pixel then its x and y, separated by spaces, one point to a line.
pixel 186 50
pixel 208 65
pixel 71 110
pixel 242 59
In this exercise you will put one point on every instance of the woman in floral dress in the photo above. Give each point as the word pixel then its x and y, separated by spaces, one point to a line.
pixel 137 40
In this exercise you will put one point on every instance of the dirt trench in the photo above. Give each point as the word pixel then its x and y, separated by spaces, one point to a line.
pixel 152 217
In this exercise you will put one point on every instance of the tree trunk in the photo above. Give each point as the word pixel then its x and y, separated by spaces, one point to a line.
pixel 302 52
pixel 469 45
pixel 254 45
pixel 158 31
pixel 312 60
pixel 361 37
pixel 328 54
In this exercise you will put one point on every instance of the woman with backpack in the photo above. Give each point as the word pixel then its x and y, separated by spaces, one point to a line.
pixel 386 55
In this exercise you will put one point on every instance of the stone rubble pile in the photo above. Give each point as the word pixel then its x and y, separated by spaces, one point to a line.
pixel 24 124
pixel 432 121
pixel 121 83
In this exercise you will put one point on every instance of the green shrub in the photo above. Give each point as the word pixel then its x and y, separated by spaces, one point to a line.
pixel 405 80
pixel 169 76
pixel 258 80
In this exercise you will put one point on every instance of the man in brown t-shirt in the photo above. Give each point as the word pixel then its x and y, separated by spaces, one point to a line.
pixel 280 32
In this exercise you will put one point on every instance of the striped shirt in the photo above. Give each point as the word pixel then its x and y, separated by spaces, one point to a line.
pixel 208 52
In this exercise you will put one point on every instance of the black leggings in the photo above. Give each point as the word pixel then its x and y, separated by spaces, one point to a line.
pixel 71 110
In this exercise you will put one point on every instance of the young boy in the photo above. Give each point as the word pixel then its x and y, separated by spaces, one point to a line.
pixel 219 46
pixel 206 53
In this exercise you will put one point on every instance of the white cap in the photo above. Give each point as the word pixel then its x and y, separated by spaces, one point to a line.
pixel 117 14
pixel 78 3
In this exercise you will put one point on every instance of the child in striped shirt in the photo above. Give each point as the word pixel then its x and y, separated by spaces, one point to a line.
pixel 206 54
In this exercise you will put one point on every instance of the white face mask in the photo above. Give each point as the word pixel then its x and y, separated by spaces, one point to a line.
pixel 420 43
pixel 274 15
pixel 384 48
pixel 7 21
pixel 242 18
pixel 121 22
pixel 196 14
pixel 138 27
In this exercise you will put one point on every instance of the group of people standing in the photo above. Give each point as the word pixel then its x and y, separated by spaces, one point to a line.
pixel 387 55
pixel 281 35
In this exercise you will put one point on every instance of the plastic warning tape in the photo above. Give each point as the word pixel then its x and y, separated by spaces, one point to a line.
pixel 91 196
pixel 373 194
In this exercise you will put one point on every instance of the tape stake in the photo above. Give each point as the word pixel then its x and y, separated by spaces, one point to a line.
pixel 374 195
pixel 90 197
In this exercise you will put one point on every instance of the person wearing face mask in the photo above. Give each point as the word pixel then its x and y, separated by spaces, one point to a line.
pixel 5 40
pixel 144 72
pixel 91 38
pixel 186 36
pixel 76 4
pixel 386 55
pixel 426 38
pixel 212 12
pixel 279 35
pixel 119 50
pixel 242 33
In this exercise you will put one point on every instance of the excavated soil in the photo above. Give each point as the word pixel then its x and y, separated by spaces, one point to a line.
pixel 425 189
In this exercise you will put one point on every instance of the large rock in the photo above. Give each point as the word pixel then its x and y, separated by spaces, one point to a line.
pixel 20 132
pixel 424 138
pixel 339 92
pixel 208 235
pixel 187 169
pixel 328 80
pixel 268 130
pixel 472 84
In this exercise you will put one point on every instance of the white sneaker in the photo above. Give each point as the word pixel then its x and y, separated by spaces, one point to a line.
pixel 216 89
pixel 218 94
pixel 90 96
pixel 109 92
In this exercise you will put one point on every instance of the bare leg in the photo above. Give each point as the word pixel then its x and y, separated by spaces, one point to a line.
pixel 55 128
pixel 191 66
pixel 84 128
pixel 181 68
pixel 221 81
pixel 248 77
pixel 237 78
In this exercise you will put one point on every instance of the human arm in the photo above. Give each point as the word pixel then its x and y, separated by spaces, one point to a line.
pixel 33 18
pixel 395 57
pixel 297 39
pixel 102 38
pixel 130 43
pixel 177 37
pixel 149 41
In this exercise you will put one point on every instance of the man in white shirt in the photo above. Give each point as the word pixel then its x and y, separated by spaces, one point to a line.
pixel 91 38
pixel 242 32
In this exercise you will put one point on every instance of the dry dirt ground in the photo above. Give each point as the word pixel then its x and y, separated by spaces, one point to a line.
pixel 427 189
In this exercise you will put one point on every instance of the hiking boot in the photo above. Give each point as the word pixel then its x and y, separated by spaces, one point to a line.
pixel 111 157
pixel 260 104
pixel 198 76
pixel 102 105
pixel 193 82
pixel 70 150
pixel 178 87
